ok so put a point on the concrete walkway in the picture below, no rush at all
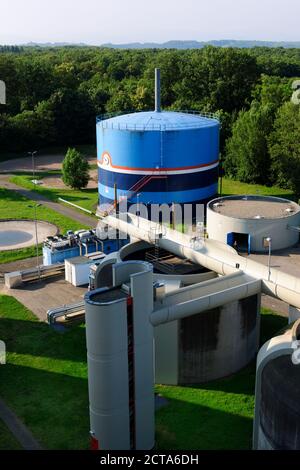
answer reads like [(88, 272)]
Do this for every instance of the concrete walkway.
[(34, 196), (43, 295), (17, 428)]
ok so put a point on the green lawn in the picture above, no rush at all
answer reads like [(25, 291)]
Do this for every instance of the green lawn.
[(86, 198), (45, 378), (236, 187), (45, 383), (16, 206)]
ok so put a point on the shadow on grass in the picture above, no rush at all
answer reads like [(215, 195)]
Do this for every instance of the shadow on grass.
[(271, 325), (54, 406), (242, 382), (38, 175), (193, 426), (11, 195), (37, 339)]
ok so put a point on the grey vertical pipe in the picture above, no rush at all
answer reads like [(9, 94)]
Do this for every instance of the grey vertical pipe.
[(107, 355), (157, 90)]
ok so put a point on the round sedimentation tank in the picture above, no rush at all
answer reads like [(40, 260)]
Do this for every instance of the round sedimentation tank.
[(157, 157), (247, 222), (16, 234)]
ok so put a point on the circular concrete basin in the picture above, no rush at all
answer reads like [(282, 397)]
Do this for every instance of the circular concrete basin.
[(15, 234)]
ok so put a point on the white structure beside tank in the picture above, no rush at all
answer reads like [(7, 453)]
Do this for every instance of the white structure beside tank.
[(276, 420), (247, 221), (77, 269)]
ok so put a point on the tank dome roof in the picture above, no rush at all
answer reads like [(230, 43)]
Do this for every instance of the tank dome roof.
[(152, 120)]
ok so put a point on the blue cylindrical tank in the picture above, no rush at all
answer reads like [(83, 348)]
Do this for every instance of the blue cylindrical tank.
[(158, 157)]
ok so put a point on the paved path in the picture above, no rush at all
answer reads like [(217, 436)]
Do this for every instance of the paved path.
[(18, 265), (287, 260), (42, 295), (17, 428), (64, 210)]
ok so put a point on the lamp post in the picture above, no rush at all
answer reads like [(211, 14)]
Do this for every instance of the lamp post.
[(35, 206), (269, 241), (33, 154)]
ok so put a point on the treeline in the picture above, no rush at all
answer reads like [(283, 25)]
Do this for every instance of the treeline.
[(53, 96), (14, 49)]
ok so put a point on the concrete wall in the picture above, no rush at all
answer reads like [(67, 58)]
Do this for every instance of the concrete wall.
[(207, 346), (219, 225), (279, 406), (166, 353)]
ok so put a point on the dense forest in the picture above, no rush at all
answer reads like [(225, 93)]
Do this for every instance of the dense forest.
[(54, 95)]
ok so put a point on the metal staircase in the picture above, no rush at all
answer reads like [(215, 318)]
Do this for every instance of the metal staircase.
[(107, 209), (140, 184)]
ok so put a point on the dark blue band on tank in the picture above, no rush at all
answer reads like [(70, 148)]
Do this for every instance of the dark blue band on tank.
[(181, 182)]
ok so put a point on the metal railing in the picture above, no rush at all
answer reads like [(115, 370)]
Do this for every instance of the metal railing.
[(68, 310), (106, 124), (32, 274)]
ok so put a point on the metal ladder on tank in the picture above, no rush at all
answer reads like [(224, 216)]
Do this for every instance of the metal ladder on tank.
[(156, 233)]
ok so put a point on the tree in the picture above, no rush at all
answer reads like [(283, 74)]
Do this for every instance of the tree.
[(75, 169), (247, 157), (273, 91), (73, 115), (284, 147)]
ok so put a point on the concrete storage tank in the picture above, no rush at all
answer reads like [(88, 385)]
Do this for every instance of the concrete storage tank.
[(248, 221), (277, 409), (157, 157)]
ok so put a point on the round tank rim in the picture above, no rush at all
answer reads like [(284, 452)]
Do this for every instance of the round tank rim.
[(94, 292), (240, 197)]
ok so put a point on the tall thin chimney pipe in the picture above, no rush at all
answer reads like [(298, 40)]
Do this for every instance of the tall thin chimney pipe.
[(157, 90)]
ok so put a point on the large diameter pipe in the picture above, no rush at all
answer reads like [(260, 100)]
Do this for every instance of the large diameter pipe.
[(157, 90), (276, 283), (202, 304), (215, 256)]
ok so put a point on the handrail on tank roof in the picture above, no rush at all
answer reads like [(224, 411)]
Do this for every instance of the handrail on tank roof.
[(104, 117)]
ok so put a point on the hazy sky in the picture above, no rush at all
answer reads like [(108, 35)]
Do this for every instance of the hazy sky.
[(100, 21)]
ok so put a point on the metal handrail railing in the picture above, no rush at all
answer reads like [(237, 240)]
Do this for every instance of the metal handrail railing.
[(153, 126)]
